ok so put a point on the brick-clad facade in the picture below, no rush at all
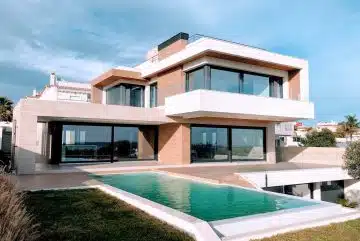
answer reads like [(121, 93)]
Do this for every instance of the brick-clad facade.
[(174, 144)]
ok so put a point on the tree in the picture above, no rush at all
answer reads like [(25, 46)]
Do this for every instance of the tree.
[(323, 138), (350, 126), (352, 159), (340, 132), (6, 109)]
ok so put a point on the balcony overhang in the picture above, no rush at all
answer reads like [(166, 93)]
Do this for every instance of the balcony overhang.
[(46, 111), (112, 75), (208, 103)]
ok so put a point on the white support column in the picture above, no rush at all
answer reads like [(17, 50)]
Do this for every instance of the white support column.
[(317, 191), (26, 150), (147, 96)]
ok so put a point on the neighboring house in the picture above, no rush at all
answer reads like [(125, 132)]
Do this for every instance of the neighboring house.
[(285, 134), (61, 90), (196, 100), (332, 126)]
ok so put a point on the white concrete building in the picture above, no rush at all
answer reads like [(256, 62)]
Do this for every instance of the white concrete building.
[(62, 90)]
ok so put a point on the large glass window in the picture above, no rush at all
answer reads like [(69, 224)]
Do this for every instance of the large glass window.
[(216, 143), (256, 85), (126, 94), (196, 79), (234, 81), (247, 144), (209, 144), (134, 142), (224, 80), (86, 143), (153, 95)]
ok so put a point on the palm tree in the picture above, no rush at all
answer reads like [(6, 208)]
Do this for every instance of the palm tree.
[(6, 108), (350, 125)]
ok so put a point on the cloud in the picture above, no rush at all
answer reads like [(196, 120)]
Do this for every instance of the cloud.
[(66, 63)]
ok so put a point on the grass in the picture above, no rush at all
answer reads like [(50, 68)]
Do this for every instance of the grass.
[(347, 231), (91, 215)]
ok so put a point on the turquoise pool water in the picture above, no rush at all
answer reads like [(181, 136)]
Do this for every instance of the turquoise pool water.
[(204, 201)]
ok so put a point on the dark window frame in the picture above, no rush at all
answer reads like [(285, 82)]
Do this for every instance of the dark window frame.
[(153, 103), (122, 98), (60, 125), (207, 79), (229, 139)]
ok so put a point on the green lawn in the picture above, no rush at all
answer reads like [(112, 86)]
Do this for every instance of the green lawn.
[(91, 215), (347, 231)]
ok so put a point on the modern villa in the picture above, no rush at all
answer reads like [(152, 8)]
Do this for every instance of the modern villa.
[(200, 108), (195, 100)]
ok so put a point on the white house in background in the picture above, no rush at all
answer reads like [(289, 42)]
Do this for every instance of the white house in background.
[(59, 89), (285, 134), (332, 125)]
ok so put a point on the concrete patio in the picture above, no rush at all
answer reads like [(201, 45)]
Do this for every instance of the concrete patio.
[(77, 175)]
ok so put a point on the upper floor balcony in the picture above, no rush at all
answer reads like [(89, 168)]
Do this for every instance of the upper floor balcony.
[(209, 103)]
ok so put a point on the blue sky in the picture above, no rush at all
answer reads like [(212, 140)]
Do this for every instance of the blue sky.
[(81, 39)]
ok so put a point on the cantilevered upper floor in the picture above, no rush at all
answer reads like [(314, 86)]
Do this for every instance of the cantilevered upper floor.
[(199, 76)]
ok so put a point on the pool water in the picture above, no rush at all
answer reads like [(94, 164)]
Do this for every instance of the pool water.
[(204, 201)]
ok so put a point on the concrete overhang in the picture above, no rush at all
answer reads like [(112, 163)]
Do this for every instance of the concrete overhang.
[(224, 50), (46, 111), (208, 103), (113, 75)]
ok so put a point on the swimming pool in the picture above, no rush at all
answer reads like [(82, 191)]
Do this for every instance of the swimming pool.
[(204, 201)]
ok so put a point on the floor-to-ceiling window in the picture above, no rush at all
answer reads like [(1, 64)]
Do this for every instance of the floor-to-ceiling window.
[(82, 143), (134, 142), (209, 144), (195, 79), (216, 143), (234, 81), (247, 144), (125, 94), (87, 143)]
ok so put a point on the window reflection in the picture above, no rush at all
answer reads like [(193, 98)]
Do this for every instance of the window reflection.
[(256, 85), (223, 80), (126, 94), (208, 143), (134, 142), (247, 144), (196, 79), (86, 143), (234, 81)]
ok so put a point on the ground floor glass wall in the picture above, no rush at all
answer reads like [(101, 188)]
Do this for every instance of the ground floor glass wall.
[(89, 143), (211, 143)]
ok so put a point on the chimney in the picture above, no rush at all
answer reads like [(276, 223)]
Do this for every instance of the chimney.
[(34, 92), (173, 45), (52, 79)]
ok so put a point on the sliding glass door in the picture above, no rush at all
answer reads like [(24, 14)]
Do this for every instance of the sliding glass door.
[(247, 144), (97, 143), (216, 143), (85, 143), (209, 144)]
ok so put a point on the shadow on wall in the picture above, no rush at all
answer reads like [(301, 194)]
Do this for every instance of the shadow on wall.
[(25, 160), (315, 155)]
